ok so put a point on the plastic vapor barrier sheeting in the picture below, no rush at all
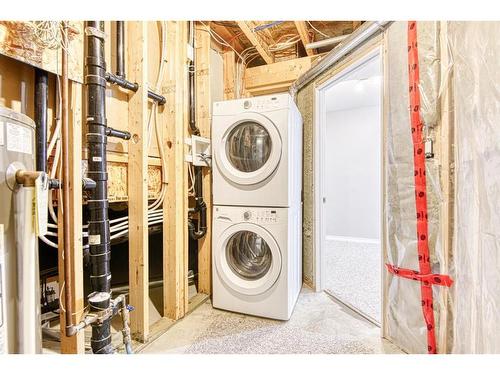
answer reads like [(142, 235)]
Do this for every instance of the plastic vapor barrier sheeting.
[(405, 324), (475, 49)]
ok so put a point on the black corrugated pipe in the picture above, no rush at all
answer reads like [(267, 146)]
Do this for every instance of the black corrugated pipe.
[(41, 104), (99, 235), (201, 206)]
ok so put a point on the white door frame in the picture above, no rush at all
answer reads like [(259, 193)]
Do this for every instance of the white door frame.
[(319, 164)]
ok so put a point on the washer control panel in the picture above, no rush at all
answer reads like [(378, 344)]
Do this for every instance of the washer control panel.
[(261, 216)]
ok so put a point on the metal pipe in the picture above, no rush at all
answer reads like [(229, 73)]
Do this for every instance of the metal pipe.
[(366, 31), (68, 283), (41, 104), (326, 42), (98, 224), (120, 47)]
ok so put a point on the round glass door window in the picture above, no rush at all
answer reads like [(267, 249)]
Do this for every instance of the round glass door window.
[(248, 255), (248, 146)]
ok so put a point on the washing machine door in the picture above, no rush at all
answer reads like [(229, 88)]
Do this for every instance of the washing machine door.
[(248, 259), (250, 149)]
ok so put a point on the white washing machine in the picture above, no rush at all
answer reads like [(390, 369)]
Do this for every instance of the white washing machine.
[(257, 258), (257, 148)]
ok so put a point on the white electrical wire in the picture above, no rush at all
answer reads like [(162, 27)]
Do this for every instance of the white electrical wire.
[(282, 45), (318, 31), (55, 141)]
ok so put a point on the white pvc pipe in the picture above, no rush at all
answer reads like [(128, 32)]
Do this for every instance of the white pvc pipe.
[(326, 42)]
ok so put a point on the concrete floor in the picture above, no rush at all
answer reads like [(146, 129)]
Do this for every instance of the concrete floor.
[(318, 325), (353, 274)]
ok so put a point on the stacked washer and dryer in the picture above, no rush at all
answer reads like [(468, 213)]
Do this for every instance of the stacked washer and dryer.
[(257, 213)]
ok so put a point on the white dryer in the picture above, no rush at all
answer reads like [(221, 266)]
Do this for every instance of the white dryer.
[(257, 258), (257, 148)]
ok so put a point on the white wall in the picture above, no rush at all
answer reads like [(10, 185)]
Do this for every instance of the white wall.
[(353, 172)]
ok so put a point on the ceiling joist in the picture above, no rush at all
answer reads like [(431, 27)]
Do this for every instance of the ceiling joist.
[(304, 36), (261, 46)]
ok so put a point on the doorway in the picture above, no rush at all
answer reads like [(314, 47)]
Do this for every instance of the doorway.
[(348, 171)]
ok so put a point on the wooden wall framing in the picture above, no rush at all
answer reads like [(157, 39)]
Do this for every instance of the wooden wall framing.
[(175, 296), (137, 33), (203, 120), (129, 111)]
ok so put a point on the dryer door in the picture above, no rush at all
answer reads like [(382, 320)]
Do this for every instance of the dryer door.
[(248, 259), (250, 149)]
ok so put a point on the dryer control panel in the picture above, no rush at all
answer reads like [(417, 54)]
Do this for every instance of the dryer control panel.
[(261, 216), (266, 103)]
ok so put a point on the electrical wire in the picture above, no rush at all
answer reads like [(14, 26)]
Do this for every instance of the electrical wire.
[(318, 31), (55, 142)]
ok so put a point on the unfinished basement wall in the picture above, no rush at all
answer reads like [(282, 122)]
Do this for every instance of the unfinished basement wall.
[(404, 322), (475, 51), (403, 319)]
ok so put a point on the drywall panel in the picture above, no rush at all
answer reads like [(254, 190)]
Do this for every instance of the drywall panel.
[(353, 172)]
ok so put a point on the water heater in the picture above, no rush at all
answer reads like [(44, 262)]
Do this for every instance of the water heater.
[(20, 330)]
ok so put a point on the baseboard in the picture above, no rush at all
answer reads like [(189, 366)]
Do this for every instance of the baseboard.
[(353, 239)]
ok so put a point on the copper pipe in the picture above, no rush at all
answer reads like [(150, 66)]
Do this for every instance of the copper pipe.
[(27, 178), (68, 286)]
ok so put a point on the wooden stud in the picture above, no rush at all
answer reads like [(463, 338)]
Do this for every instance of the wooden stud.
[(277, 77), (257, 42), (74, 344), (203, 120), (228, 36), (175, 207), (304, 36), (137, 181), (229, 75)]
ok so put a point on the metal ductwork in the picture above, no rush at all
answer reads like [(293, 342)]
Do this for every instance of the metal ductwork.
[(361, 35)]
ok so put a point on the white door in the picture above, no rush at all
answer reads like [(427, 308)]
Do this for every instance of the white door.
[(248, 259), (250, 149)]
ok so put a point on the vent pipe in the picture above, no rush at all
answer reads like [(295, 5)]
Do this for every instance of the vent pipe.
[(362, 34), (98, 225)]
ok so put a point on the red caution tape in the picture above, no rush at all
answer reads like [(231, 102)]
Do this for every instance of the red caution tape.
[(424, 275)]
